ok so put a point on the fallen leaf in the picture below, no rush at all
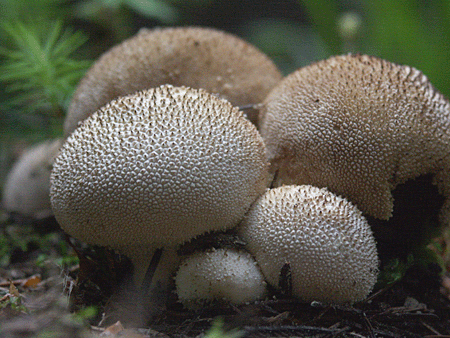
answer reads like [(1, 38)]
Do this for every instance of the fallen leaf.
[(13, 290), (112, 330), (31, 282)]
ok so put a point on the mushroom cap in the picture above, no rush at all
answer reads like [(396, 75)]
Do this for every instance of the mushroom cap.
[(358, 125), (325, 239), (196, 57), (158, 167), (222, 274), (27, 186)]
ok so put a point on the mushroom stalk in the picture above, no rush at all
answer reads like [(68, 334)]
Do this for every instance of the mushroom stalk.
[(148, 297), (142, 256), (156, 258)]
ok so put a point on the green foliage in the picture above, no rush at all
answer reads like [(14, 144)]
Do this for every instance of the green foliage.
[(284, 42), (116, 17), (24, 238), (154, 8), (86, 314), (393, 271), (425, 256), (217, 331), (13, 303), (38, 68), (421, 37), (323, 14), (44, 10), (416, 33), (5, 251), (157, 9)]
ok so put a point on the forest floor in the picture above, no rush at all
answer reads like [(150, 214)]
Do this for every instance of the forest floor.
[(51, 286)]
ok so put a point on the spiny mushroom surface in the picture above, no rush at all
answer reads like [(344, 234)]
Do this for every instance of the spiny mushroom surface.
[(157, 168), (358, 125), (27, 186), (323, 240), (213, 60), (222, 274)]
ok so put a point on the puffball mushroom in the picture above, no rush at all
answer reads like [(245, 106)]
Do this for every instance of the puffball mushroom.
[(323, 239), (27, 186), (218, 62), (156, 168), (360, 126), (223, 274)]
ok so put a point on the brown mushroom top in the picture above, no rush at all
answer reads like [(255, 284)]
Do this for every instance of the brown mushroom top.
[(196, 57), (358, 125), (158, 168)]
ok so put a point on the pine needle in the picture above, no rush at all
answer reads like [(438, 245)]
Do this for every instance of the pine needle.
[(38, 68)]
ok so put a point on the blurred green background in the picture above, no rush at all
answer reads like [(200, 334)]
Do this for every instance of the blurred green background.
[(47, 45)]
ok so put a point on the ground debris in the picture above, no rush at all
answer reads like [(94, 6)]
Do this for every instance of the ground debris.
[(34, 301)]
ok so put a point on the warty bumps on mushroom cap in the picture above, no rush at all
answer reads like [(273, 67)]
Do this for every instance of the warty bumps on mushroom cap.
[(358, 125), (206, 58), (323, 238), (157, 168), (220, 274)]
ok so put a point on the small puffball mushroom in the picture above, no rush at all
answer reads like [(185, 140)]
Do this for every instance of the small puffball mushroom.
[(27, 186), (323, 240), (222, 274), (360, 126), (155, 169), (218, 62)]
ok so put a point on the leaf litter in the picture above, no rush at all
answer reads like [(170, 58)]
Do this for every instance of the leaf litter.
[(91, 297)]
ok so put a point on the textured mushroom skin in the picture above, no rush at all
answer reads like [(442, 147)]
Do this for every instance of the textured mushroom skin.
[(173, 162), (27, 187), (359, 126), (196, 57), (325, 239), (221, 274)]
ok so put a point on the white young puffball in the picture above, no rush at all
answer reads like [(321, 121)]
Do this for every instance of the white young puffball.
[(27, 186), (322, 238), (222, 274)]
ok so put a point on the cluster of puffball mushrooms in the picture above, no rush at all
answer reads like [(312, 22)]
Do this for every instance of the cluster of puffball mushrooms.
[(156, 152)]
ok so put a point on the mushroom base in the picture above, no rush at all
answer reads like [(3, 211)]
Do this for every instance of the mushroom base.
[(415, 220)]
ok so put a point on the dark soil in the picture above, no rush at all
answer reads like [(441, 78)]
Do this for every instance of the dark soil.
[(416, 305)]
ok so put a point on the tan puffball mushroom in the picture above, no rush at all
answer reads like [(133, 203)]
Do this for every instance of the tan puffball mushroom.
[(155, 169), (223, 274), (27, 186), (218, 62), (358, 125), (322, 238)]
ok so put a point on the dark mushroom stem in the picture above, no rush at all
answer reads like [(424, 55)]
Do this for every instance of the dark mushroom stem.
[(151, 271), (285, 281)]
